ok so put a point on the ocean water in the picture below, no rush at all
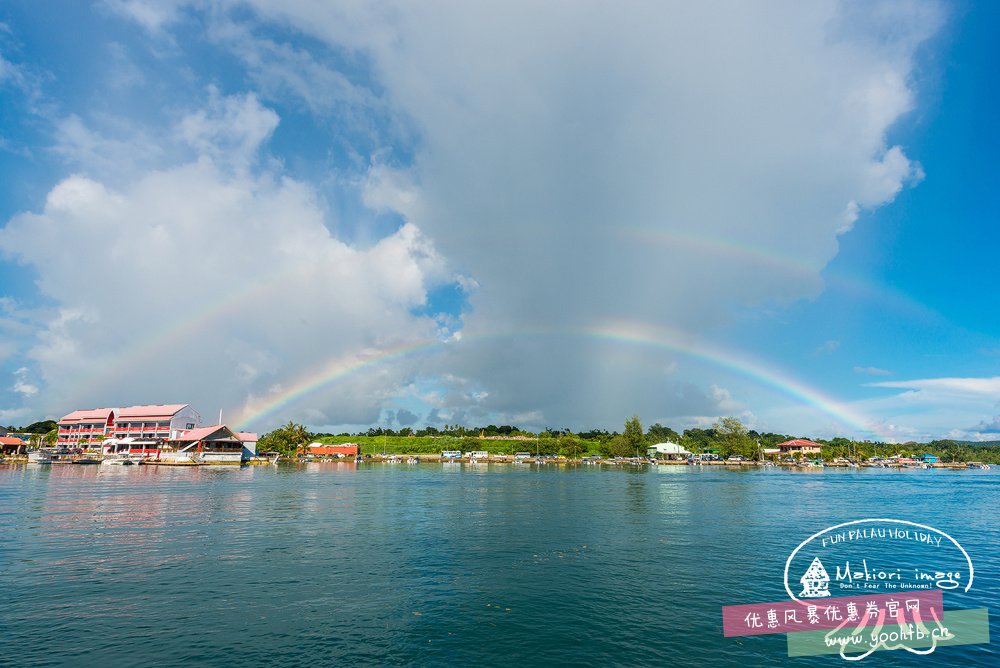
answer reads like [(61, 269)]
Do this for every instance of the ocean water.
[(440, 564)]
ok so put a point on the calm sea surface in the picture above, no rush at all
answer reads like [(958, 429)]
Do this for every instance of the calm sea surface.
[(440, 564)]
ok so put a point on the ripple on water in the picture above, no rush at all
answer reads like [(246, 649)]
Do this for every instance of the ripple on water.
[(380, 565)]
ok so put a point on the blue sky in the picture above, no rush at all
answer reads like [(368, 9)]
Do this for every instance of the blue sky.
[(503, 213)]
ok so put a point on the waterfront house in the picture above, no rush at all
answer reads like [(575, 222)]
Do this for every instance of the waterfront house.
[(11, 445), (928, 458), (667, 451), (323, 450), (800, 446), (217, 444)]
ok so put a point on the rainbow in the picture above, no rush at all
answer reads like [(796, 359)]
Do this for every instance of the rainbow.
[(158, 341), (619, 332), (766, 259), (337, 368)]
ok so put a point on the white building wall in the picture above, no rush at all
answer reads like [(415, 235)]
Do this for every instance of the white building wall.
[(249, 449), (186, 418)]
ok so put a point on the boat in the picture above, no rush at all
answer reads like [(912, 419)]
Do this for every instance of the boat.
[(118, 460), (413, 460), (978, 465), (40, 457), (86, 460)]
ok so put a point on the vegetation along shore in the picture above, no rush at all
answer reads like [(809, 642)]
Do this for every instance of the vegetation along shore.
[(728, 437)]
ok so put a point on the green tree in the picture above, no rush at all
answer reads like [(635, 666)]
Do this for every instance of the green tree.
[(732, 438), (657, 433), (287, 440), (43, 427), (570, 446), (698, 440), (631, 443)]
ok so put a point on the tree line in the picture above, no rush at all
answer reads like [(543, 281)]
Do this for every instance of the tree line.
[(728, 436)]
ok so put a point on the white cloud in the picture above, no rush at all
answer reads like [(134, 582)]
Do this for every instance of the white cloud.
[(872, 371), (929, 408), (116, 152), (22, 384), (544, 141), (153, 15), (207, 284), (230, 129), (988, 427), (931, 389), (544, 137), (828, 347)]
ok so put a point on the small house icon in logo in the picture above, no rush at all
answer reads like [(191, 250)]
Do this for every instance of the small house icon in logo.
[(815, 581)]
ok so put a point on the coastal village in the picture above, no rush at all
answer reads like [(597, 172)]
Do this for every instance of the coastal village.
[(173, 435), (163, 434)]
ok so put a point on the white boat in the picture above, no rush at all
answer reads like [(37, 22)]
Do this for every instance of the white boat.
[(40, 457), (121, 459)]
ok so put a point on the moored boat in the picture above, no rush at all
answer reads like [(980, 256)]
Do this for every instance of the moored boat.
[(118, 460), (40, 457)]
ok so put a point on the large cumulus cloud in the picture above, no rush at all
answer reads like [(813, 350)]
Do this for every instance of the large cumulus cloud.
[(580, 163), (212, 281), (662, 162)]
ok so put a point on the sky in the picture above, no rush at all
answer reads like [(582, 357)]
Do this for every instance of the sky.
[(556, 214)]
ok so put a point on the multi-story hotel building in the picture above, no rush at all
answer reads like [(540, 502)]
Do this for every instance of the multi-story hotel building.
[(81, 428), (138, 428), (163, 422), (171, 431)]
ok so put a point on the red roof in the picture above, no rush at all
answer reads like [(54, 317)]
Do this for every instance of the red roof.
[(10, 440), (157, 411), (802, 442), (247, 436), (89, 415)]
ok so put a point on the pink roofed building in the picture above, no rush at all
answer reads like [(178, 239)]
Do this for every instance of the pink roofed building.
[(800, 446), (155, 431), (134, 429), (215, 444), (84, 428), (145, 428)]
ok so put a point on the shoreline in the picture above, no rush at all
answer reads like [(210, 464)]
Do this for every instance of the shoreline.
[(508, 459)]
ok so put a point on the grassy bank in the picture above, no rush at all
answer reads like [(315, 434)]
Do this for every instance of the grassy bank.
[(416, 445)]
